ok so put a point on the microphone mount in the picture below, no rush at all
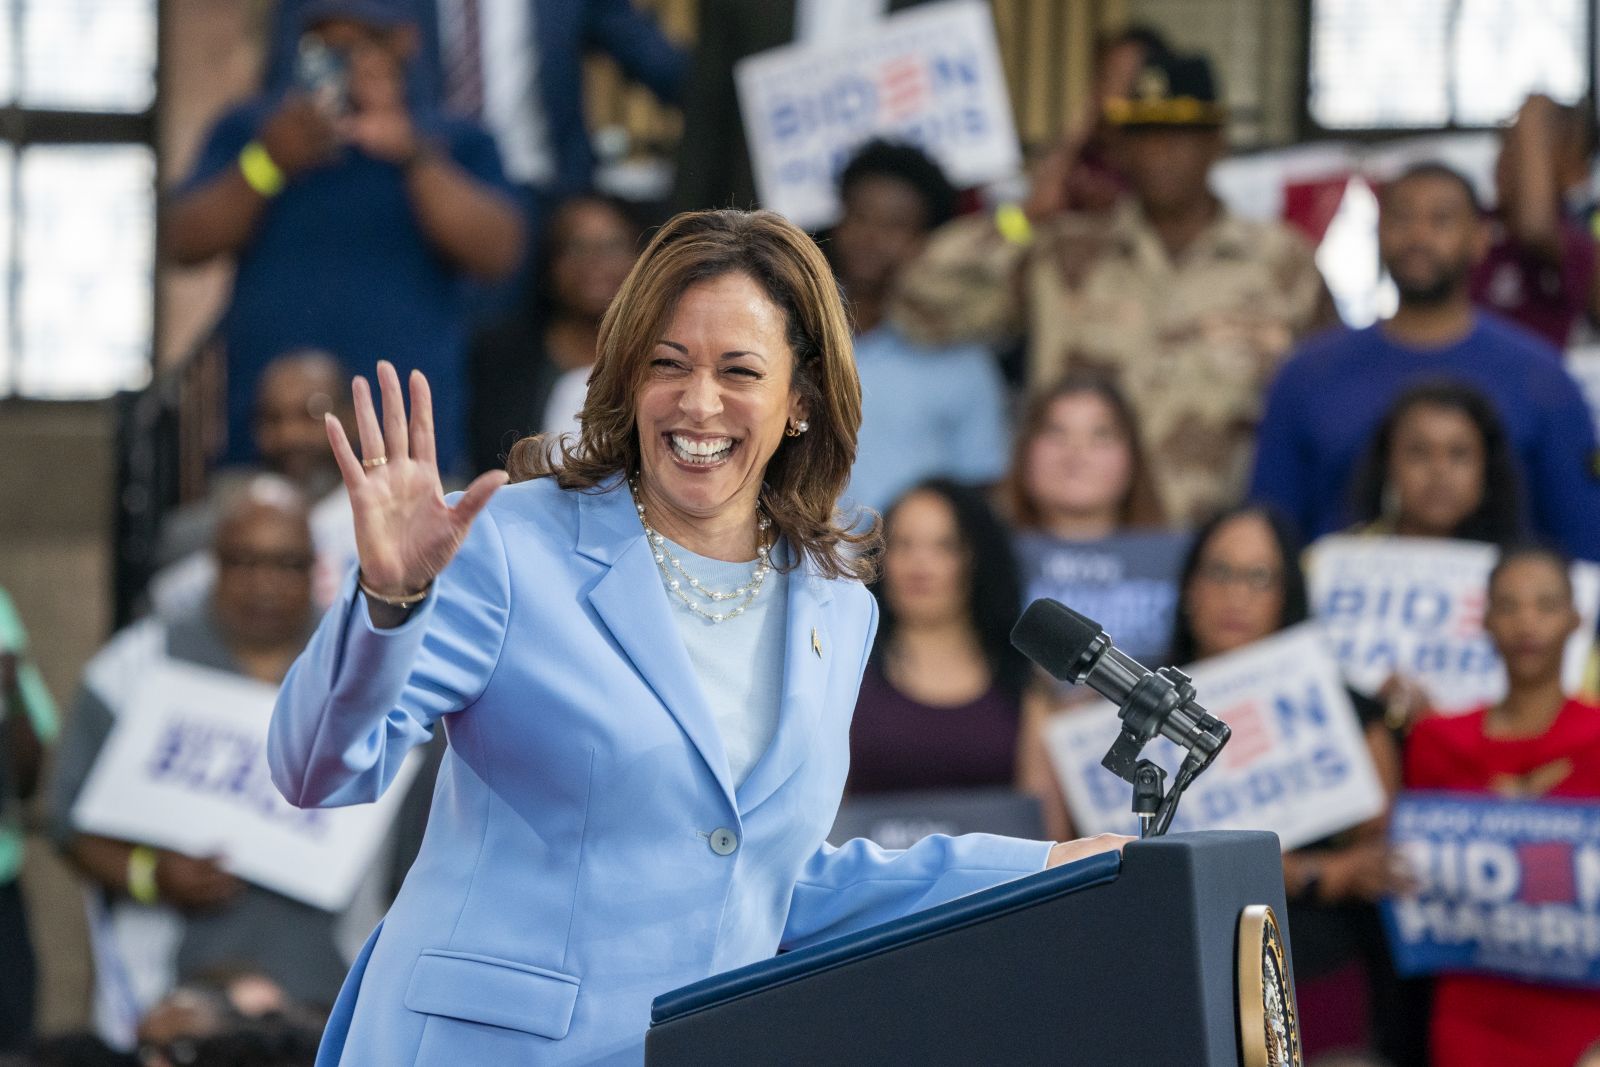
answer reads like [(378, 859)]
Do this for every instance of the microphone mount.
[(1162, 702), (1148, 703)]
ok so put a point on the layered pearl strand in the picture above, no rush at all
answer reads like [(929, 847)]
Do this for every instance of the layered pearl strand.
[(664, 558)]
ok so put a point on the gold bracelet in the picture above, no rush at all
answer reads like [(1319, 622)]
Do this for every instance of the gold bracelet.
[(142, 862), (406, 601), (260, 172)]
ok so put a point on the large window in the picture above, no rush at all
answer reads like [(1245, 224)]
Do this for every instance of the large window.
[(1426, 64), (77, 196)]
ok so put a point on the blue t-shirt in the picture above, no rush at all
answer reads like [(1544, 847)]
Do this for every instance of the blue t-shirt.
[(1326, 404), (1128, 583), (925, 412), (339, 262)]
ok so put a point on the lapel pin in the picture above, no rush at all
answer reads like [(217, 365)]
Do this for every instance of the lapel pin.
[(816, 643)]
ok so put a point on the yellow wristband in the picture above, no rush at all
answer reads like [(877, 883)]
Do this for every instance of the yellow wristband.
[(260, 172), (1013, 224), (142, 874)]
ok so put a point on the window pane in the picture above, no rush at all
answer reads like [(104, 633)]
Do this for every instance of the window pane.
[(1379, 63), (84, 304), (1426, 63), (1507, 49), (89, 55), (7, 340), (8, 57)]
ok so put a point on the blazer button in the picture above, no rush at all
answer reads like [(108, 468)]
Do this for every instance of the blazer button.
[(724, 842)]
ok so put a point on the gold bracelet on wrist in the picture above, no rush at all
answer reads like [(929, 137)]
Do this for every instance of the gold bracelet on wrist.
[(142, 861), (406, 601)]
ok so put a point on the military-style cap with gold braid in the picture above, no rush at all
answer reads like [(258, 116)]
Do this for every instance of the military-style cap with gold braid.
[(1170, 90)]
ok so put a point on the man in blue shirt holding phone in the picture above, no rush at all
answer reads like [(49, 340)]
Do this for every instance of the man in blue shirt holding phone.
[(356, 215)]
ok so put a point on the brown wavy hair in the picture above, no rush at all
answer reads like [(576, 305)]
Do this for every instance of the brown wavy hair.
[(806, 475), (1140, 507)]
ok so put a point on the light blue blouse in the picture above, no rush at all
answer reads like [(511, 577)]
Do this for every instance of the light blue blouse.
[(739, 660)]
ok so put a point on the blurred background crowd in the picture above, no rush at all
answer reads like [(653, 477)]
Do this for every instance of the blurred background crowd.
[(1273, 270)]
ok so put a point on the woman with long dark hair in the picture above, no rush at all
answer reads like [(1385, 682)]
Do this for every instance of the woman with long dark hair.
[(938, 703), (517, 367), (1241, 582), (1440, 465)]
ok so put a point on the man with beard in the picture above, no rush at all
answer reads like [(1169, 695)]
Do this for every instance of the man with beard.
[(1328, 399)]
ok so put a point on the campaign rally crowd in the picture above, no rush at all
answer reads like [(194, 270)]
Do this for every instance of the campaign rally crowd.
[(1113, 390)]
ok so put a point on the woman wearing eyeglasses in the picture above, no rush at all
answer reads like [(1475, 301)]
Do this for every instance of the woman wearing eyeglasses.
[(160, 916), (1241, 583)]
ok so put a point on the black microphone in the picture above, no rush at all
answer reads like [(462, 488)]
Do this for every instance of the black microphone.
[(1075, 649)]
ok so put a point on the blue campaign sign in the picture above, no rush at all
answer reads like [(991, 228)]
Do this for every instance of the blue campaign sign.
[(1508, 887), (1128, 583)]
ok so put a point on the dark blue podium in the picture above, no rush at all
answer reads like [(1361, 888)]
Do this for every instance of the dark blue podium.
[(1151, 958)]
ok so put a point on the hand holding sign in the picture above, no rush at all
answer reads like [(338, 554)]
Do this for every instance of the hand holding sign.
[(1366, 870), (405, 531), (194, 884)]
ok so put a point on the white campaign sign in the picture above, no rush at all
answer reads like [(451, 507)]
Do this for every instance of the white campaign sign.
[(1297, 763), (185, 768), (930, 76), (1414, 607)]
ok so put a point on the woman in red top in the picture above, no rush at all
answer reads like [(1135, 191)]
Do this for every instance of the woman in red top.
[(1537, 742)]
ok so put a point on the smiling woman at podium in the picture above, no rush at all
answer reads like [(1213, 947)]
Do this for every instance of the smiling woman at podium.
[(644, 654)]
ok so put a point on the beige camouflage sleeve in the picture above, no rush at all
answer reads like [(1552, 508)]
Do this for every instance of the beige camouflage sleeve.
[(1309, 298), (964, 287)]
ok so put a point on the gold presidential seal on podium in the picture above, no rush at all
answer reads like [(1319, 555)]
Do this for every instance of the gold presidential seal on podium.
[(1269, 1029)]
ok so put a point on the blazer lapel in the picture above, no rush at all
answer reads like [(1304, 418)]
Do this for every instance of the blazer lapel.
[(633, 605), (808, 656)]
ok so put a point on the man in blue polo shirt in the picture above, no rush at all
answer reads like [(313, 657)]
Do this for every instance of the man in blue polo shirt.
[(1328, 399), (926, 410), (356, 216)]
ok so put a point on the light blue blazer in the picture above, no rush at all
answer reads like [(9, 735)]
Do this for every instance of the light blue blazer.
[(587, 849)]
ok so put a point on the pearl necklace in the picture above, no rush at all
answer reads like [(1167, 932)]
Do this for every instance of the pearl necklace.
[(664, 557)]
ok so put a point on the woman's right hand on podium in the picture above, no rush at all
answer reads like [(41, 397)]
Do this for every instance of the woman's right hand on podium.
[(1083, 847), (405, 532)]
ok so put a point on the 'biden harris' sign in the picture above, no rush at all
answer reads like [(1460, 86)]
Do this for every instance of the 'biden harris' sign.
[(1297, 764), (185, 768), (1413, 606), (930, 76), (1508, 887)]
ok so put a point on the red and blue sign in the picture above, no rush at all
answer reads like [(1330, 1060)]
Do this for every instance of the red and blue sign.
[(1506, 887)]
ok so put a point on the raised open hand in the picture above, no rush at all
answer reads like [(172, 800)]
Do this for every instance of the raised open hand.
[(405, 532)]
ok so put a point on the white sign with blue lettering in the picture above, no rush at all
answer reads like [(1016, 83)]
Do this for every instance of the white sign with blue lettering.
[(930, 76), (1413, 606), (1297, 764), (185, 768)]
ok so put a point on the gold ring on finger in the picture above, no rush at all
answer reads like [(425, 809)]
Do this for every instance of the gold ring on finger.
[(375, 461)]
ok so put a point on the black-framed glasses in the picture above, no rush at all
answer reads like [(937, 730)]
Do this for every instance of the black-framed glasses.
[(283, 562), (1255, 579)]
